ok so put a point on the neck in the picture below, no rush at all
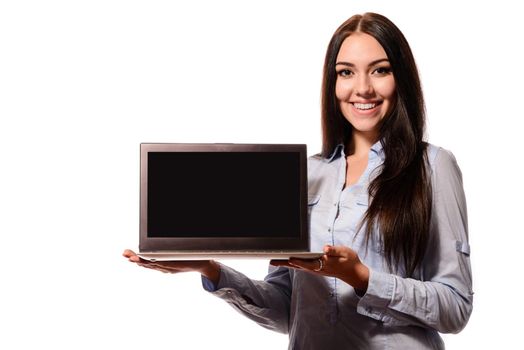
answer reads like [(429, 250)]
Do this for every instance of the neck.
[(361, 143)]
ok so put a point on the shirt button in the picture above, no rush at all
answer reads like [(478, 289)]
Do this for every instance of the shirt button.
[(329, 229)]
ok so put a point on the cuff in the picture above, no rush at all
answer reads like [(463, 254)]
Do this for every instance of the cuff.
[(381, 288), (208, 285), (228, 279)]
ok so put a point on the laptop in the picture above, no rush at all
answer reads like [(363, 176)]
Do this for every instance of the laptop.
[(220, 201)]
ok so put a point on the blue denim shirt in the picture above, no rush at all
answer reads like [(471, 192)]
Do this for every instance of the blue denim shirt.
[(396, 312)]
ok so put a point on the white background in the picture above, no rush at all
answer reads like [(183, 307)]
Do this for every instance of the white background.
[(82, 83)]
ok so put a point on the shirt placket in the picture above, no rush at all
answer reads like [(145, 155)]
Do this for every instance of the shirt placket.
[(331, 219)]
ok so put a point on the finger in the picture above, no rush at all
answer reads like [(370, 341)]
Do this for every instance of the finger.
[(162, 266), (333, 251), (131, 256), (144, 263), (280, 263), (179, 266), (156, 268), (128, 253), (308, 264)]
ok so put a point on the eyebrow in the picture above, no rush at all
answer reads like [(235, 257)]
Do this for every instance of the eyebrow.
[(349, 64)]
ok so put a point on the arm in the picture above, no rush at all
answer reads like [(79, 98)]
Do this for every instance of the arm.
[(443, 298), (265, 302)]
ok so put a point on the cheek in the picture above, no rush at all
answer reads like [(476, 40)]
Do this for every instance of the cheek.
[(386, 88), (342, 90)]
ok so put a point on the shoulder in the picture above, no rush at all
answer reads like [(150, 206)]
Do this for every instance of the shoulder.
[(322, 173), (316, 157), (441, 159), (444, 168), (316, 161)]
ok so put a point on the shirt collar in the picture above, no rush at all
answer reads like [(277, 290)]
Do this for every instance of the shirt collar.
[(376, 151), (337, 152)]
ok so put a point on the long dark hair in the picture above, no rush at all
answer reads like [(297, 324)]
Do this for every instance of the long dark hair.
[(401, 192)]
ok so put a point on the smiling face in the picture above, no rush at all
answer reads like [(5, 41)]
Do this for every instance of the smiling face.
[(365, 86)]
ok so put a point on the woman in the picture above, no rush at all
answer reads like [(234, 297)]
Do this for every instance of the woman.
[(387, 208)]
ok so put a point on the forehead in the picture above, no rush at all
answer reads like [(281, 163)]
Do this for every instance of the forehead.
[(360, 48)]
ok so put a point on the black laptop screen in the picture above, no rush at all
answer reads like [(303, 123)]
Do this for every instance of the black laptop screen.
[(223, 194)]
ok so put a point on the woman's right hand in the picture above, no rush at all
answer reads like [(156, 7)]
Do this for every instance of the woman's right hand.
[(208, 268)]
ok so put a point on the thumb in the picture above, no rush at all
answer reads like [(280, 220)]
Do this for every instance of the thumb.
[(331, 250)]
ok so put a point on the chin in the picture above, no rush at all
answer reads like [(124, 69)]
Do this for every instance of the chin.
[(365, 127)]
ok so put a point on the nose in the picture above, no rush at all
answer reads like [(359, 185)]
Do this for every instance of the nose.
[(364, 87)]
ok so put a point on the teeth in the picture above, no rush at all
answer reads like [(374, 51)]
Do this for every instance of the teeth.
[(364, 105)]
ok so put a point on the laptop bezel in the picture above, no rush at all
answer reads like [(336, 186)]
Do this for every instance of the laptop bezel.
[(185, 244)]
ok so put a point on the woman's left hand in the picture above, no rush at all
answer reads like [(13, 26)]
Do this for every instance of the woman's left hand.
[(338, 261)]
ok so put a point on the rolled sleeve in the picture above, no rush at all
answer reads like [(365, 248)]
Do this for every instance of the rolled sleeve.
[(377, 298)]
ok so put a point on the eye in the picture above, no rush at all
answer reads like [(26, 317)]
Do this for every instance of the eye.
[(344, 73), (382, 70)]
